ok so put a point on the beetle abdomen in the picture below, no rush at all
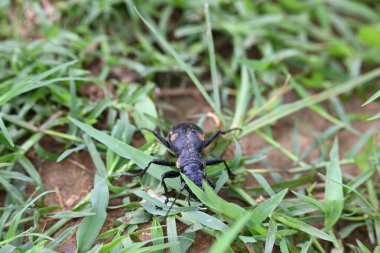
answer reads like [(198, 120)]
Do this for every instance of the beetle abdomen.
[(195, 173)]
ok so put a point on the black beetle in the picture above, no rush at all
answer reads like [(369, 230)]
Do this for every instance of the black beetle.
[(187, 141)]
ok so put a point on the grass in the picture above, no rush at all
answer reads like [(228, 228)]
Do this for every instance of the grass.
[(83, 74)]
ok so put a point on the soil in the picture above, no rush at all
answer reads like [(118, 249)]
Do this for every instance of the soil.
[(73, 178)]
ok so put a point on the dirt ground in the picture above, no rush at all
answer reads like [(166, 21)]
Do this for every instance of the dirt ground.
[(73, 178)]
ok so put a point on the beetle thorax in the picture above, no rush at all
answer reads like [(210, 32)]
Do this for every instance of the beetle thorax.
[(186, 138)]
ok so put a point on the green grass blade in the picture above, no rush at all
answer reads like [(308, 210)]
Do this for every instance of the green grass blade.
[(306, 246), (334, 199), (297, 224), (12, 190), (214, 202), (31, 170), (16, 220), (99, 164), (216, 82), (162, 41), (59, 239), (157, 234), (271, 236), (372, 98), (255, 217), (340, 111), (12, 238), (242, 99), (5, 132), (172, 234), (155, 248), (68, 152), (362, 247), (376, 116), (283, 246), (71, 214), (206, 220), (310, 201), (91, 225), (224, 242)]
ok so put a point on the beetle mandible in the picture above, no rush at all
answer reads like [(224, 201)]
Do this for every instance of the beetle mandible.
[(186, 141)]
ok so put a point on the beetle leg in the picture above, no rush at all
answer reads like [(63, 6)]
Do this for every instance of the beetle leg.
[(176, 197), (159, 137), (168, 174), (210, 182), (216, 134), (213, 161), (163, 162)]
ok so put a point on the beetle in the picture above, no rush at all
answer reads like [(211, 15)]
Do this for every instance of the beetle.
[(186, 141)]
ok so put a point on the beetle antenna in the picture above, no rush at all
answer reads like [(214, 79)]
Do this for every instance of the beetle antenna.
[(147, 129), (231, 130), (176, 197), (126, 174)]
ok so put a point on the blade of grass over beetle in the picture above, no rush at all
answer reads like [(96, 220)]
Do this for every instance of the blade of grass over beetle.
[(334, 199), (214, 202), (290, 108), (179, 59)]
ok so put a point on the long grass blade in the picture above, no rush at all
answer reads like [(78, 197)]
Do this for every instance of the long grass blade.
[(334, 191), (179, 59)]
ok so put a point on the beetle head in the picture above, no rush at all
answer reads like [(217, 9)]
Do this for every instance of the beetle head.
[(186, 135)]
